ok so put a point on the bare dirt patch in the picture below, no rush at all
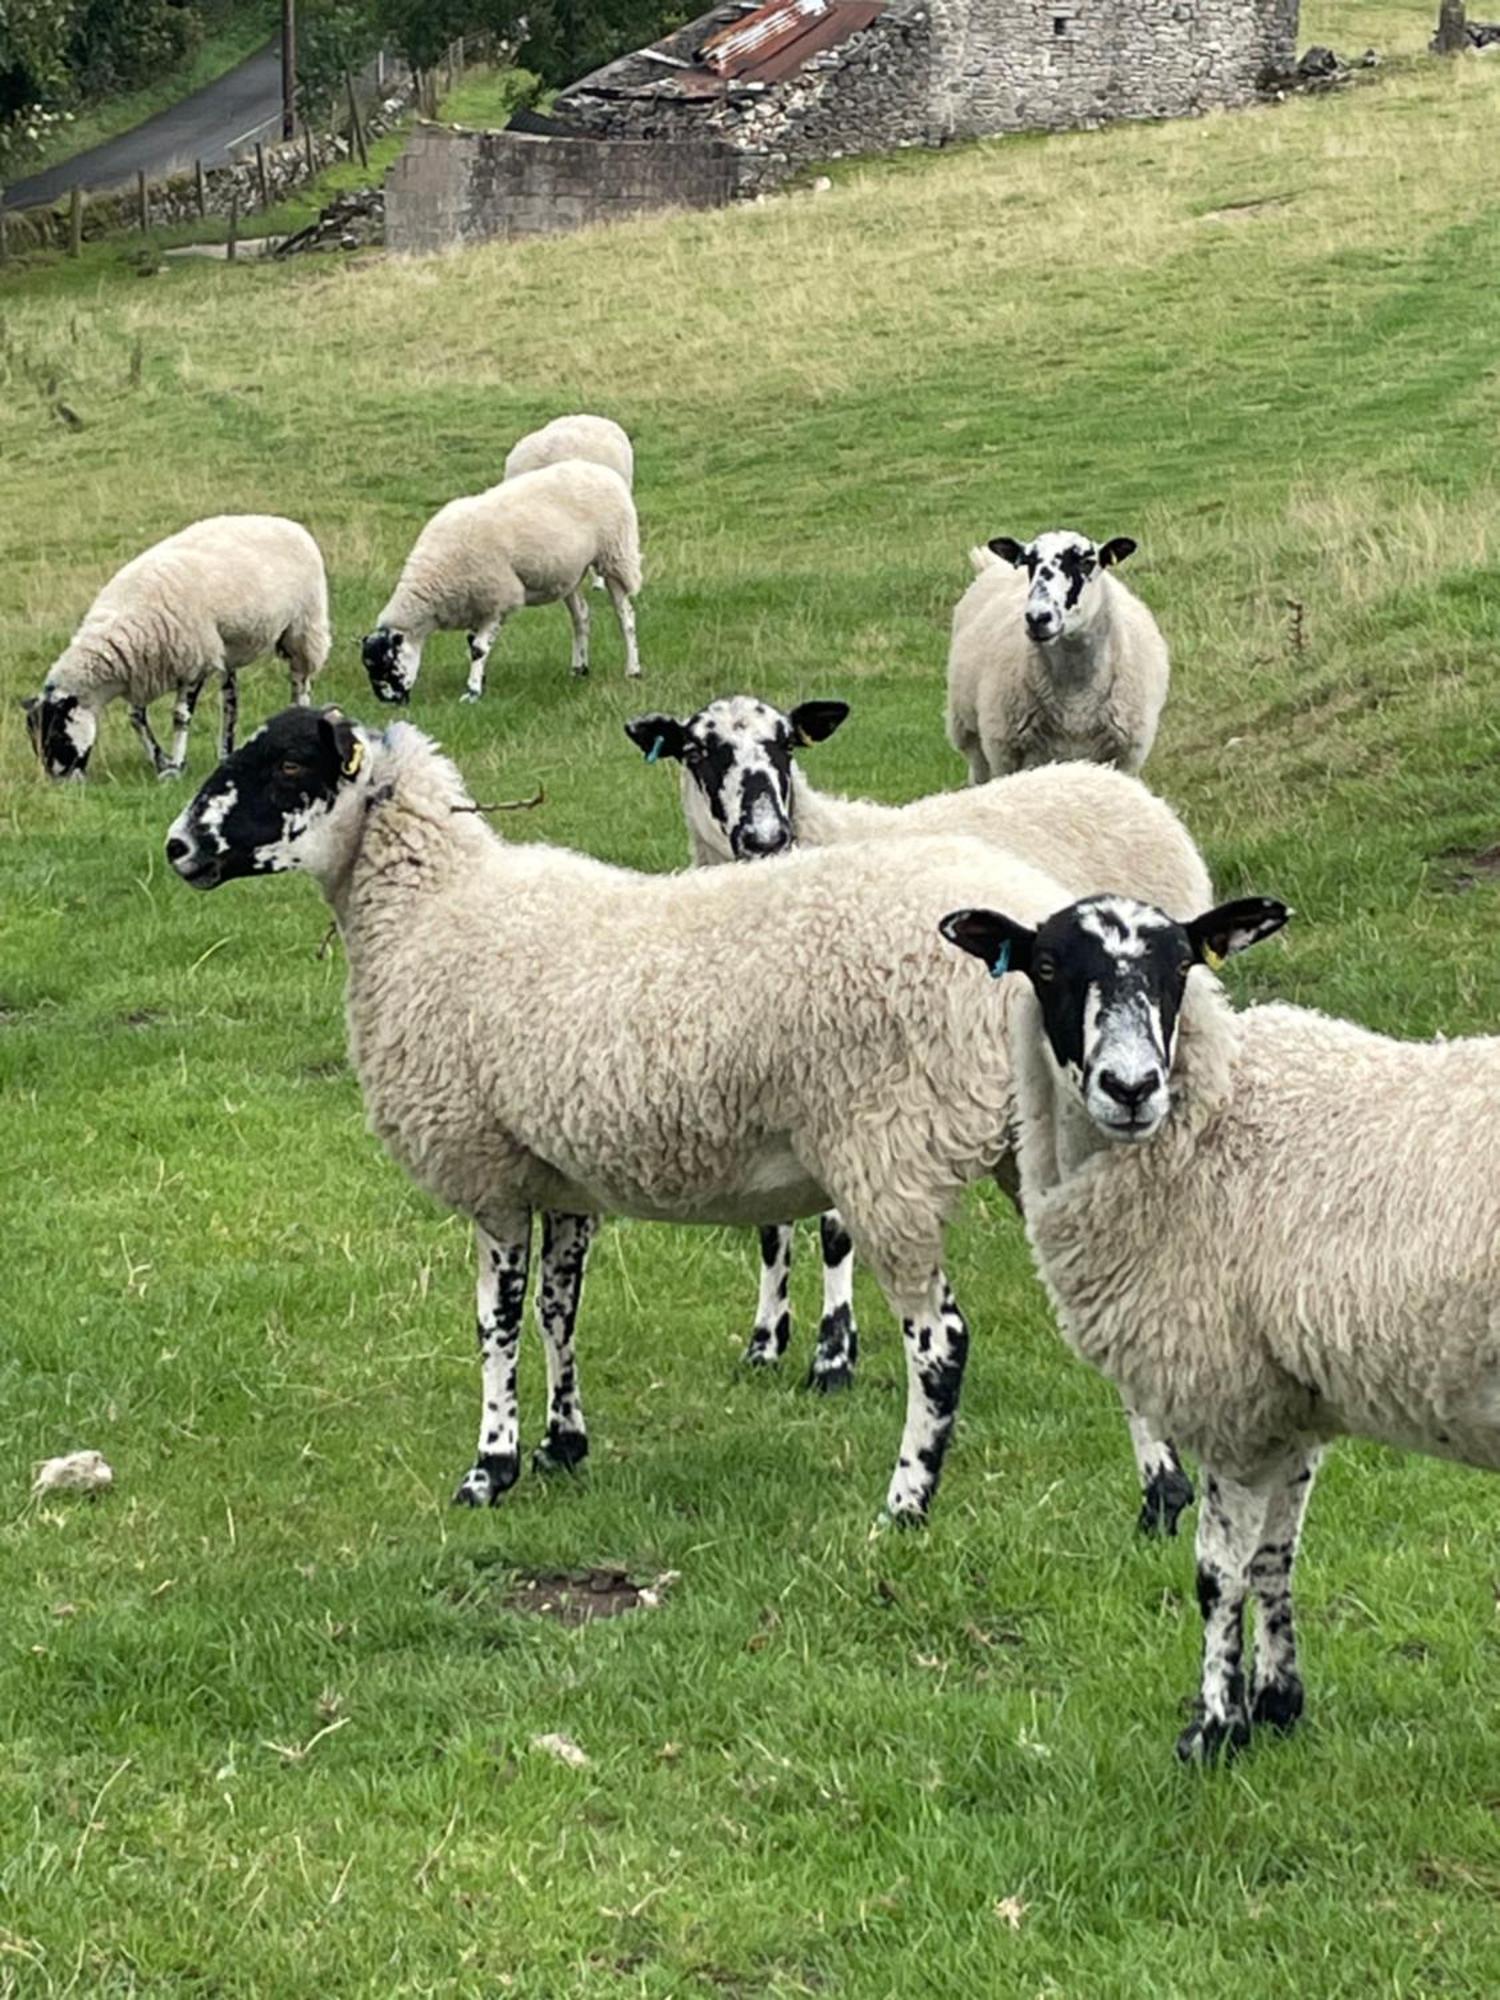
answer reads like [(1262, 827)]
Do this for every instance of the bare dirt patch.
[(577, 1597), (1463, 868)]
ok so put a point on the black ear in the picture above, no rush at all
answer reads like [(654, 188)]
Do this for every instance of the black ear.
[(1008, 550), (1219, 934), (1115, 551), (31, 703), (1003, 944), (657, 736), (341, 740), (815, 721)]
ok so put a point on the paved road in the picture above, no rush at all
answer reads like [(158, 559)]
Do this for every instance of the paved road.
[(241, 106)]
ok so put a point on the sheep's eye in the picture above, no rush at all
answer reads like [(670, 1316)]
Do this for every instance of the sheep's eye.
[(1044, 968)]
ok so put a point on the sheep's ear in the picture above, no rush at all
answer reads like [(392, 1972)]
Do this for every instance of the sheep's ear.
[(1008, 550), (815, 721), (1219, 934), (31, 703), (1115, 551), (657, 736), (341, 740), (1003, 944)]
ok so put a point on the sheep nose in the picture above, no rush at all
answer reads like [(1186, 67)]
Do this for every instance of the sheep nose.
[(754, 844), (1039, 624), (179, 850), (1131, 1095)]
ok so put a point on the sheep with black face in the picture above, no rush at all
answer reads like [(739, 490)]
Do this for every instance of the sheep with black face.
[(745, 796), (1052, 658), (1268, 1229)]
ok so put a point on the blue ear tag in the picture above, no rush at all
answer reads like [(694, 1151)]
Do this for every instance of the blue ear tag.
[(656, 749), (1002, 961)]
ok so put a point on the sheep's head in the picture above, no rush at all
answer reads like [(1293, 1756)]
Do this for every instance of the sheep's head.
[(736, 758), (392, 660), (62, 731), (282, 801), (1064, 569), (1109, 975)]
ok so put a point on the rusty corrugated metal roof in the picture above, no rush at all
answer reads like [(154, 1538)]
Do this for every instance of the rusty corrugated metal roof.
[(779, 37)]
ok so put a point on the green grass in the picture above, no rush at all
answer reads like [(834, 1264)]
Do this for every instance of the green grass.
[(825, 1762), (485, 99), (226, 44)]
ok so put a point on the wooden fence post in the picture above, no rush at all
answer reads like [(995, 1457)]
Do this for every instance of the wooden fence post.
[(202, 191), (231, 250), (260, 174), (356, 129), (142, 202), (75, 222), (312, 158)]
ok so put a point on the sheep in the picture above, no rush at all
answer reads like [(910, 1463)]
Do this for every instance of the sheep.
[(598, 439), (744, 795), (1268, 1228), (1063, 662), (536, 1030), (529, 540), (207, 600)]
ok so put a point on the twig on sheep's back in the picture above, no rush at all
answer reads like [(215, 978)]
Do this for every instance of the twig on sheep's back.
[(77, 1471), (509, 805)]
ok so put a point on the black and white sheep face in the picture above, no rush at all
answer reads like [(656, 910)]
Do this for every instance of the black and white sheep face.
[(1064, 570), (278, 803), (62, 731), (736, 757), (393, 661), (1109, 975)]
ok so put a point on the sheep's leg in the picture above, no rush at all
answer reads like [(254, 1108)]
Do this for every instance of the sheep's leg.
[(1229, 1533), (503, 1254), (565, 1249), (838, 1337), (937, 1345), (300, 670), (1276, 1696), (979, 770), (1165, 1487), (140, 722), (480, 642), (229, 709), (578, 611), (773, 1318), (620, 598), (175, 762)]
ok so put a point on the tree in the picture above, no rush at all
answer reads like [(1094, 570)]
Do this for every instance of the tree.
[(1452, 28), (33, 67)]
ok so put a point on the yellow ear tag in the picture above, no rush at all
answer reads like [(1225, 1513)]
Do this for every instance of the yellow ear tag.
[(355, 758), (1214, 960)]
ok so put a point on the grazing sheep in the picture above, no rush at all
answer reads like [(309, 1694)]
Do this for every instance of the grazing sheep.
[(535, 1030), (1062, 662), (208, 600), (744, 795), (1268, 1228), (529, 540), (598, 439)]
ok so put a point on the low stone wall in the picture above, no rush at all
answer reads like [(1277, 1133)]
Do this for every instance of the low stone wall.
[(453, 187)]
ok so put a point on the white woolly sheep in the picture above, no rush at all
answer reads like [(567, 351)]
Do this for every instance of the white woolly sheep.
[(600, 440), (744, 795), (529, 540), (1268, 1229), (536, 1030), (208, 600), (1051, 658)]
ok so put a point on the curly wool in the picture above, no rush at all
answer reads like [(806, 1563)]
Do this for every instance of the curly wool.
[(600, 440), (528, 540), (212, 598), (1013, 704), (1310, 1246)]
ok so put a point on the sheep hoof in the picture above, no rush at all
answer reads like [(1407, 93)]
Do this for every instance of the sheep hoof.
[(487, 1481), (900, 1518), (560, 1451), (1212, 1739), (1164, 1497), (762, 1351), (830, 1378), (165, 773), (471, 694), (580, 673), (1278, 1704)]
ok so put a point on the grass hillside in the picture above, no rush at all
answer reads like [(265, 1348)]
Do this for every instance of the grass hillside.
[(266, 1714)]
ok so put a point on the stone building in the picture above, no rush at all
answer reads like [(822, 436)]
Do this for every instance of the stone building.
[(745, 95)]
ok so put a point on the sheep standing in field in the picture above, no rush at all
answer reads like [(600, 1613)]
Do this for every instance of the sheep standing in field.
[(600, 440), (744, 795), (535, 1030), (1268, 1228), (1052, 658), (529, 540), (208, 600)]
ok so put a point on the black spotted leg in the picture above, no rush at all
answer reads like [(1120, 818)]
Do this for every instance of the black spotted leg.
[(565, 1246), (503, 1253), (937, 1346), (838, 1337), (773, 1318)]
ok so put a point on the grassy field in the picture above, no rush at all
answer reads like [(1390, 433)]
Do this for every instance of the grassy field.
[(267, 1715)]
